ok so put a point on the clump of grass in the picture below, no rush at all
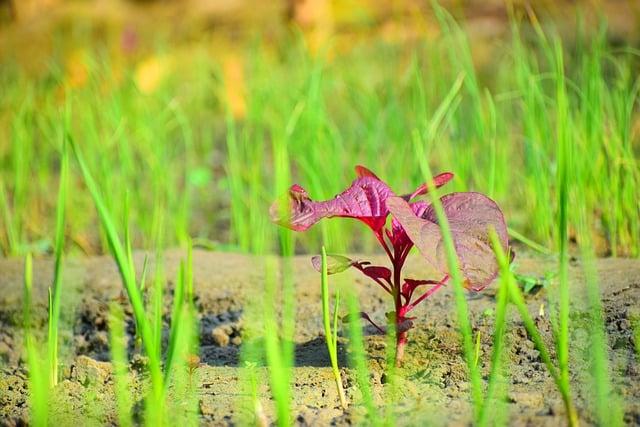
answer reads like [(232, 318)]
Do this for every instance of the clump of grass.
[(122, 255), (183, 341)]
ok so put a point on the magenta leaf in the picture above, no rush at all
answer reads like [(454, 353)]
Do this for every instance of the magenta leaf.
[(470, 216), (377, 272), (438, 181), (410, 285), (364, 200)]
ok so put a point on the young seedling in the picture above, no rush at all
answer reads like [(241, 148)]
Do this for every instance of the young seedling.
[(331, 337), (55, 292), (38, 381), (370, 200)]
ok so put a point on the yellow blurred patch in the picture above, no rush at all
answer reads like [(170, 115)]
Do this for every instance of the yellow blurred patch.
[(315, 19), (76, 72), (150, 73), (234, 85)]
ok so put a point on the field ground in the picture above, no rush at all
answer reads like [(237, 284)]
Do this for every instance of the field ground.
[(432, 387)]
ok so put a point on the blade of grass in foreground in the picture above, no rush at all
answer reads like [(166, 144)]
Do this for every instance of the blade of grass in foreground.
[(564, 165), (120, 366), (279, 369), (331, 338), (38, 380), (452, 258), (604, 400), (183, 372), (55, 292), (497, 357), (516, 297), (358, 360)]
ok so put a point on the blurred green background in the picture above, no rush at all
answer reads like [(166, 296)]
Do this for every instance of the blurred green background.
[(186, 108)]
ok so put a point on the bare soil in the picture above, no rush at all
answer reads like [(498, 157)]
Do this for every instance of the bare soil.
[(431, 386)]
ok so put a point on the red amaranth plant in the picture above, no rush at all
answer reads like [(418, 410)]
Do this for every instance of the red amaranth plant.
[(370, 200)]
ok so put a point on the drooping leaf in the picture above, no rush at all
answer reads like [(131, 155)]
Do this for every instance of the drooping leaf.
[(363, 200), (377, 272), (470, 216)]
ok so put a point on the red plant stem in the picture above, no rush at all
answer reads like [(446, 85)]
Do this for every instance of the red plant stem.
[(401, 337)]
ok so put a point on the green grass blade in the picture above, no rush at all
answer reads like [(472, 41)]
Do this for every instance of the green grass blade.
[(38, 379), (118, 350), (450, 251), (56, 289), (358, 360), (329, 336)]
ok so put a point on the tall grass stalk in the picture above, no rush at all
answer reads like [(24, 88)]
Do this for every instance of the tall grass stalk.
[(464, 323), (498, 370), (564, 160), (275, 351), (38, 378), (358, 360), (331, 338), (516, 297), (183, 371), (55, 292), (606, 403), (118, 348)]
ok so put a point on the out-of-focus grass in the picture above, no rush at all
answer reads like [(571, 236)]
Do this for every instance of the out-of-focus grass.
[(156, 128), (36, 360)]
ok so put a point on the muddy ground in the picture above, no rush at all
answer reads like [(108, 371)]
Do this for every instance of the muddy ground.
[(432, 386)]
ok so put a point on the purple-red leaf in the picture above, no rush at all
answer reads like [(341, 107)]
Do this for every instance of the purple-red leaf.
[(470, 215), (438, 181), (410, 285), (363, 200), (335, 263), (377, 272)]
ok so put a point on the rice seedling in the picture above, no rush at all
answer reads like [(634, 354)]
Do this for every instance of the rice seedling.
[(36, 361), (331, 337), (120, 364), (358, 360), (516, 297), (498, 370), (55, 292)]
